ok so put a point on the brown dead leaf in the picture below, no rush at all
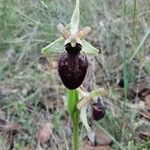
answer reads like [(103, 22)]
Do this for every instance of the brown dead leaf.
[(44, 133), (87, 146)]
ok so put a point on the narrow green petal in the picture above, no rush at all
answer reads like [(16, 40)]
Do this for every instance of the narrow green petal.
[(74, 24), (55, 47), (88, 48), (83, 117)]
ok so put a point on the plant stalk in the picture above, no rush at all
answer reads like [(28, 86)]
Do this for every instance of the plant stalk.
[(74, 113), (75, 122)]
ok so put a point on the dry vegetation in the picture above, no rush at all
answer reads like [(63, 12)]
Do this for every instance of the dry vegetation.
[(32, 97)]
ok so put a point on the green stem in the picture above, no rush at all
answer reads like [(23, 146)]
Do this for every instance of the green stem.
[(75, 122), (74, 113)]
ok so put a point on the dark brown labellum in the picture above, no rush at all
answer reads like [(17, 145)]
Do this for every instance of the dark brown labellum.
[(72, 68), (98, 109)]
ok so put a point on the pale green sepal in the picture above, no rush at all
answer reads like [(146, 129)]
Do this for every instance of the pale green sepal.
[(74, 24), (89, 49), (83, 117), (55, 47)]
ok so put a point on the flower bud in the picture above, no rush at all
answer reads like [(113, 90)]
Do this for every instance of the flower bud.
[(98, 109)]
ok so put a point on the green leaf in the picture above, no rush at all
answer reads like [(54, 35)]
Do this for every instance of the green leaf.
[(55, 47), (75, 19), (88, 48)]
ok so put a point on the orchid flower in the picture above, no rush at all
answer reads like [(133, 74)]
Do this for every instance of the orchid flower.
[(86, 100)]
